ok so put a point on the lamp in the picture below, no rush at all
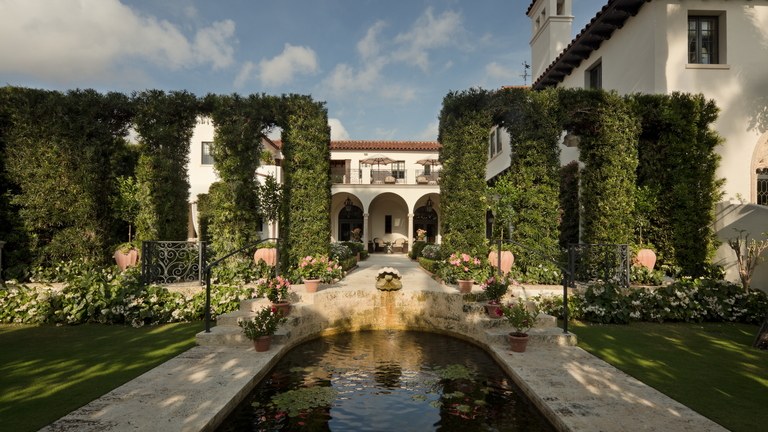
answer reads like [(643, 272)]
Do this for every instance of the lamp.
[(348, 205), (429, 203)]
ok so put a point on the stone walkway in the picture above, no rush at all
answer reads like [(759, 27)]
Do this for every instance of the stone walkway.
[(195, 390)]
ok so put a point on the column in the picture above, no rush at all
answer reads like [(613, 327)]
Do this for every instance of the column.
[(411, 236)]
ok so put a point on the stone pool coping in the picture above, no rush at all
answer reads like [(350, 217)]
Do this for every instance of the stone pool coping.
[(197, 389)]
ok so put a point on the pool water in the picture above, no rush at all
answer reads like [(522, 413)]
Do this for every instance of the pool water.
[(386, 381)]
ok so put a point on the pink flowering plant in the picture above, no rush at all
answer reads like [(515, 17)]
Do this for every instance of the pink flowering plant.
[(275, 289), (462, 266), (495, 288), (319, 267)]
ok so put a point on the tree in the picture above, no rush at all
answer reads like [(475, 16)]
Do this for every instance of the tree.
[(270, 201)]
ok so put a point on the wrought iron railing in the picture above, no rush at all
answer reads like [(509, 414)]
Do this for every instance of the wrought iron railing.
[(593, 262), (172, 261), (586, 263), (209, 267)]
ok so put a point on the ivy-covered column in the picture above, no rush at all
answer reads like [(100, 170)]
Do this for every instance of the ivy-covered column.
[(464, 126), (306, 227), (165, 122), (608, 131)]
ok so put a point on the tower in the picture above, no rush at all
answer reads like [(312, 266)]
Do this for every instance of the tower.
[(551, 22)]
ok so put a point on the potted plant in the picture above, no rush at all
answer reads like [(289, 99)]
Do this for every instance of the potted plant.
[(522, 316), (388, 279), (313, 270), (465, 270), (276, 290), (261, 327), (126, 206), (421, 234), (495, 288)]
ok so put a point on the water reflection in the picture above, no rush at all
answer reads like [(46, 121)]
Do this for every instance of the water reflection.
[(374, 381)]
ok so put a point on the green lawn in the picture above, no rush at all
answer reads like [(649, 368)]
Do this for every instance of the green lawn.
[(48, 371), (709, 367)]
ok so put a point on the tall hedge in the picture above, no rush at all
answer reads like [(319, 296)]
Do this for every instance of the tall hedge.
[(608, 131), (569, 204), (63, 155), (528, 191), (465, 121), (305, 222), (678, 167), (164, 122)]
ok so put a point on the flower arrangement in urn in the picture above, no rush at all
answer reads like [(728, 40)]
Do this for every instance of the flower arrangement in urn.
[(356, 234), (388, 279), (320, 267), (421, 234), (261, 327), (522, 316)]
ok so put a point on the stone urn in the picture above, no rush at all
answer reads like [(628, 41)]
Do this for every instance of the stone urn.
[(127, 258), (268, 255), (646, 258), (507, 260)]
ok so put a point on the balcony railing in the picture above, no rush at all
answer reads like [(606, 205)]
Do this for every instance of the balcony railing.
[(385, 176)]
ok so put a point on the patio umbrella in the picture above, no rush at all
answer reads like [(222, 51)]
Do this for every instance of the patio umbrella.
[(378, 160), (426, 162)]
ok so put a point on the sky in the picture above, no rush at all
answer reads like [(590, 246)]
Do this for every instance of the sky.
[(382, 67)]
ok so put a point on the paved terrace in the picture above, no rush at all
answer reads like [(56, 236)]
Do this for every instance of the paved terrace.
[(197, 389)]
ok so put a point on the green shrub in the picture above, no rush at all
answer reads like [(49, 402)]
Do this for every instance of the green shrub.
[(641, 275), (340, 251), (416, 249), (433, 252), (429, 265)]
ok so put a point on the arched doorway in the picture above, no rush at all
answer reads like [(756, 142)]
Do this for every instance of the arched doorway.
[(759, 174), (425, 217), (350, 217)]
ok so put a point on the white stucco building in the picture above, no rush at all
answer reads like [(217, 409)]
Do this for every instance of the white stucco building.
[(387, 189), (715, 47)]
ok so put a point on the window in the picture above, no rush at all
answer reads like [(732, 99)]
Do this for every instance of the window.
[(207, 158), (594, 76), (762, 186), (398, 170), (703, 39), (492, 144), (498, 140), (388, 224)]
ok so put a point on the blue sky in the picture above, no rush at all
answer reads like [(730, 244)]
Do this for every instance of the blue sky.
[(382, 67)]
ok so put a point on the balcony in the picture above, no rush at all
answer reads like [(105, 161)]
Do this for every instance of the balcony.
[(386, 176)]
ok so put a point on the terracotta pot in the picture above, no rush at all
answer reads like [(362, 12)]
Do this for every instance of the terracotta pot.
[(493, 310), (517, 343), (262, 343), (126, 259), (283, 307), (507, 260), (646, 258), (268, 255), (311, 285), (465, 286)]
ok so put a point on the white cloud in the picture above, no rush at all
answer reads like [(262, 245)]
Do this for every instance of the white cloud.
[(281, 69), (345, 79), (246, 73), (338, 132), (368, 47), (499, 72), (427, 33), (66, 41), (398, 93)]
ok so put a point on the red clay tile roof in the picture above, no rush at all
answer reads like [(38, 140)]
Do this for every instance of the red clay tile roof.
[(533, 2), (380, 145), (386, 145)]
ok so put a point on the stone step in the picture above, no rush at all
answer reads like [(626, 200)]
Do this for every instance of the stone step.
[(537, 336), (227, 335), (254, 305)]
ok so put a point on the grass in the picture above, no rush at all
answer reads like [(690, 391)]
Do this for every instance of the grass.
[(48, 371), (710, 367)]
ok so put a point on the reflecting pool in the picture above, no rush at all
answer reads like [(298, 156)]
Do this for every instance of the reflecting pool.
[(386, 381)]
